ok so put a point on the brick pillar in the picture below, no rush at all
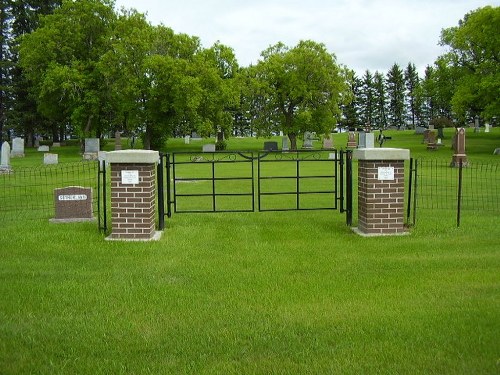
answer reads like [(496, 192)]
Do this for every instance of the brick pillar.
[(133, 193), (381, 183)]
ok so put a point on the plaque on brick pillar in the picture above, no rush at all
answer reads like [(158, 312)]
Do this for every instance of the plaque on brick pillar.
[(381, 195), (133, 195)]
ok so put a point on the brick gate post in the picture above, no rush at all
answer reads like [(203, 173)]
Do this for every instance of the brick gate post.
[(133, 193), (381, 183)]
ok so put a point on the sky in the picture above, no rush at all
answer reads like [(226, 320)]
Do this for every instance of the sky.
[(363, 34)]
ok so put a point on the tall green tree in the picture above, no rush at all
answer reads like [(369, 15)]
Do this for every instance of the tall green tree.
[(396, 95), (475, 57), (413, 102), (5, 62), (302, 88), (23, 114), (367, 98), (352, 109), (380, 101), (61, 59)]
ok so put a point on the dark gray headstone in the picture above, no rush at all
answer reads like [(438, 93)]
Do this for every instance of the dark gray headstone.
[(271, 146), (73, 203)]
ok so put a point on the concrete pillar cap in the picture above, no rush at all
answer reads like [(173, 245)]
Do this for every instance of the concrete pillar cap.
[(133, 157), (381, 154)]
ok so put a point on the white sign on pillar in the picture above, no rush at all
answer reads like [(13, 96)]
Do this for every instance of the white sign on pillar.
[(130, 177), (386, 173)]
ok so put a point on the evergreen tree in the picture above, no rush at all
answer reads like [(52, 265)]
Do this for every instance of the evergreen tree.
[(367, 99), (379, 101), (351, 110), (5, 62), (396, 94), (413, 103)]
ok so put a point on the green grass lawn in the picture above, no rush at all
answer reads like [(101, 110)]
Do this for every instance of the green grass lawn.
[(255, 293)]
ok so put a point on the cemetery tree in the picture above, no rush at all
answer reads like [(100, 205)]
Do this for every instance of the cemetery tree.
[(217, 72), (60, 60), (301, 87), (5, 65), (414, 104), (396, 94), (475, 57), (24, 116), (352, 110), (367, 93), (379, 101)]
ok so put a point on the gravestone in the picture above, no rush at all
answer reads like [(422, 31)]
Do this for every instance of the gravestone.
[(49, 158), (361, 140), (327, 143), (431, 141), (17, 148), (426, 136), (308, 140), (459, 157), (420, 129), (43, 148), (476, 125), (56, 144), (187, 139), (118, 140), (37, 141), (209, 147), (497, 151), (284, 144), (270, 146), (351, 140), (92, 148), (73, 203), (5, 158), (486, 128), (370, 140)]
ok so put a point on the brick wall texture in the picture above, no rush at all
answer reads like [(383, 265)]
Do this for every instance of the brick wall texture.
[(133, 206), (380, 203)]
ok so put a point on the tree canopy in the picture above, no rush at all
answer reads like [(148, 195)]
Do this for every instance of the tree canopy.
[(300, 89)]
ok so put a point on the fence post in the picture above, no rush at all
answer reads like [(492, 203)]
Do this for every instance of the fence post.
[(349, 188), (169, 193), (410, 183), (341, 160), (161, 199), (459, 197)]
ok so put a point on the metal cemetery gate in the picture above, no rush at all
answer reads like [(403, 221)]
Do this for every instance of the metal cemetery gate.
[(226, 182)]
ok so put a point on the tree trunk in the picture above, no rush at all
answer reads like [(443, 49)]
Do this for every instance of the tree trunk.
[(293, 141)]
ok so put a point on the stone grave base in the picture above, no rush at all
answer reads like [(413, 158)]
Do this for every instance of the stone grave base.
[(73, 220)]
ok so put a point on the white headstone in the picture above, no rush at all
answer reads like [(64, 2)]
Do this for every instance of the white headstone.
[(370, 140), (284, 144), (17, 147), (92, 145), (486, 128), (308, 140), (56, 144), (361, 140), (187, 139), (50, 158), (43, 148), (209, 147), (5, 156)]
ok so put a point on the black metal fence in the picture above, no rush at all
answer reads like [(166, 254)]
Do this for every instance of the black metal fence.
[(28, 193), (435, 185)]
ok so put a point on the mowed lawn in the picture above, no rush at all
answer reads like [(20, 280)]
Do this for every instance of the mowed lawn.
[(253, 293)]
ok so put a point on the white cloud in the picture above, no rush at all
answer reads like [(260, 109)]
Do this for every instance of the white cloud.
[(363, 34)]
